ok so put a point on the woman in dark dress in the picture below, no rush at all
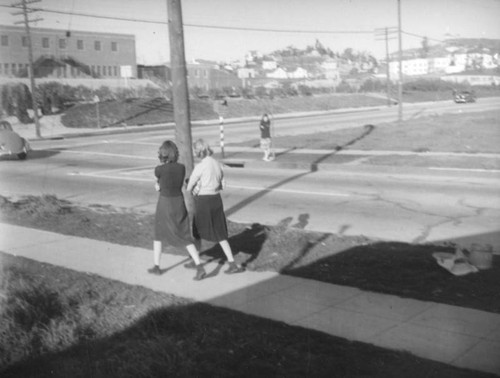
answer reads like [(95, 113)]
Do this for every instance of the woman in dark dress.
[(265, 137), (206, 182), (171, 218)]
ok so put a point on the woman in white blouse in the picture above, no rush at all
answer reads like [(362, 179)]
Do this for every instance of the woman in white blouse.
[(206, 182)]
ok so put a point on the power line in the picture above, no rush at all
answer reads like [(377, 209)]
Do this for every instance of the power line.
[(81, 14), (219, 27), (422, 36)]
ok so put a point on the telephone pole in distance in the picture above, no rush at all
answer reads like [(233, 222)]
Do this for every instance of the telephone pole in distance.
[(25, 11)]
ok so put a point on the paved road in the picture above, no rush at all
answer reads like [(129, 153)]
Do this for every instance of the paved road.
[(395, 205)]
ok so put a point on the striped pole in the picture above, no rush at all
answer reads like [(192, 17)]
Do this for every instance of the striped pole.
[(221, 123)]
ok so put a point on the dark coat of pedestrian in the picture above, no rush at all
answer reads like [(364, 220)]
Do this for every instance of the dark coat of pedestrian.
[(265, 137)]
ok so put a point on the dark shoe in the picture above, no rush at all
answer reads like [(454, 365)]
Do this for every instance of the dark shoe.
[(200, 274), (233, 268), (190, 265), (155, 270)]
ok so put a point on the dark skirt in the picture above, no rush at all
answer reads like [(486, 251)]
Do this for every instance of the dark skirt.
[(209, 219), (172, 222)]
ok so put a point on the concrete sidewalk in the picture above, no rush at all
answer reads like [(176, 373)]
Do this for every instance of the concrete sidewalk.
[(457, 336)]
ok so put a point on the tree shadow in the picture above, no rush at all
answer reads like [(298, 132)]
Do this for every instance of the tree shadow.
[(401, 269), (368, 129), (176, 337)]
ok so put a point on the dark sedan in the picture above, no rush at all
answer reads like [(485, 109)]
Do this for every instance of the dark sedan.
[(464, 97)]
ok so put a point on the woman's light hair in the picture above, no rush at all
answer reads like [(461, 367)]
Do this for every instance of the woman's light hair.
[(202, 149)]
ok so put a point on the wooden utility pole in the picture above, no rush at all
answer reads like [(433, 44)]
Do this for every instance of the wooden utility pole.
[(180, 90), (400, 58), (25, 10)]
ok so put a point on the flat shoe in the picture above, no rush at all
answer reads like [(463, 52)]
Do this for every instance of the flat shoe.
[(234, 269), (155, 270), (200, 274), (190, 265)]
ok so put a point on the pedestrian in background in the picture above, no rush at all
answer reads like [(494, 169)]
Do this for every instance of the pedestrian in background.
[(171, 219), (265, 137), (206, 182)]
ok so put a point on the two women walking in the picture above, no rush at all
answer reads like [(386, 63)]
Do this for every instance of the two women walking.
[(172, 224)]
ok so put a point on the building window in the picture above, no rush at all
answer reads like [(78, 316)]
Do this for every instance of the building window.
[(24, 41), (114, 46), (97, 45), (45, 43), (62, 43), (79, 44), (116, 71), (196, 73), (5, 40), (14, 70), (98, 70), (103, 70), (6, 68), (110, 71)]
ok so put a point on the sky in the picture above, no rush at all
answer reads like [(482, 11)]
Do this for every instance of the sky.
[(225, 30)]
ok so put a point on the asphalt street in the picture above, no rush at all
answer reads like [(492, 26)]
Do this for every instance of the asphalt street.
[(389, 204)]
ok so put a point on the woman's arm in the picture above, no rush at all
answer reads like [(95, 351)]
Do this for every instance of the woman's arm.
[(194, 178)]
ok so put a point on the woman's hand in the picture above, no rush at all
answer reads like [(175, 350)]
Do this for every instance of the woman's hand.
[(157, 187)]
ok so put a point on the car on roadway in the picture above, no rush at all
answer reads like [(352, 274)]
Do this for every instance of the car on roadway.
[(463, 97), (11, 143)]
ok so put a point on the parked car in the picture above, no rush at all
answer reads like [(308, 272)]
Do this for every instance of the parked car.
[(464, 96), (12, 143)]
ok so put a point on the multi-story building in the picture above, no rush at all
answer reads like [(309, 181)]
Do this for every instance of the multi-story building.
[(67, 54), (410, 67), (207, 76)]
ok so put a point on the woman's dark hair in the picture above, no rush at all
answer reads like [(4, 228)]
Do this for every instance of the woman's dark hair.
[(168, 152)]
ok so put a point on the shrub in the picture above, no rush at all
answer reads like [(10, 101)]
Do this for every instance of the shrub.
[(428, 85), (16, 99)]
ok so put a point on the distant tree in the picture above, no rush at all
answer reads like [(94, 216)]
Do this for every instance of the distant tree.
[(260, 92), (348, 54), (319, 47)]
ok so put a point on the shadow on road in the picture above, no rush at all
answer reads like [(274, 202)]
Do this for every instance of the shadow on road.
[(368, 129)]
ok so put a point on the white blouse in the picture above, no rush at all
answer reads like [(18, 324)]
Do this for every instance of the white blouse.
[(208, 176)]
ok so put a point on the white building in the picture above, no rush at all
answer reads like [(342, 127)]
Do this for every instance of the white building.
[(268, 64), (278, 73), (246, 73), (299, 73), (410, 67), (330, 69)]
